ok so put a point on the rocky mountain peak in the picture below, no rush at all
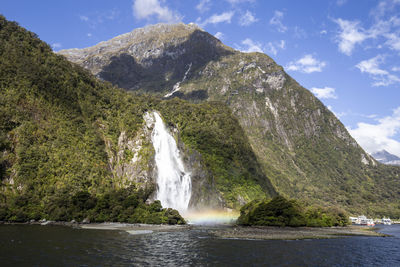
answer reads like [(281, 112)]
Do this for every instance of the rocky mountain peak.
[(154, 34), (304, 150), (386, 158), (165, 51)]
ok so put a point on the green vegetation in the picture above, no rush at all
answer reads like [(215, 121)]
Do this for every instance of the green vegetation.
[(59, 125), (123, 205), (54, 119), (304, 150), (212, 130), (59, 131), (282, 212)]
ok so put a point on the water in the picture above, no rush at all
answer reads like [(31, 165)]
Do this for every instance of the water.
[(173, 182), (35, 245)]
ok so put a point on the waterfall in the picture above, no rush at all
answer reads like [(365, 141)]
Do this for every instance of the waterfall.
[(173, 182)]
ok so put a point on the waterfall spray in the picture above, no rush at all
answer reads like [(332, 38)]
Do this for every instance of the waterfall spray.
[(173, 182)]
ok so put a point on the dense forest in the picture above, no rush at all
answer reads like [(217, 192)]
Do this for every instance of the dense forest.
[(56, 119), (280, 211), (60, 128)]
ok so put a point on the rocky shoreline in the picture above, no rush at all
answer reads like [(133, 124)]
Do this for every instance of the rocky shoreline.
[(294, 233), (130, 228), (227, 231)]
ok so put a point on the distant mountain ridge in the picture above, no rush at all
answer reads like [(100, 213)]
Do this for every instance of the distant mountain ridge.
[(304, 150), (386, 158)]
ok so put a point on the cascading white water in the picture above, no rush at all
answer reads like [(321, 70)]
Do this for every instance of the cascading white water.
[(174, 183)]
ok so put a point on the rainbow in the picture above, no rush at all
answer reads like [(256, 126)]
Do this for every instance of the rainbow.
[(212, 217)]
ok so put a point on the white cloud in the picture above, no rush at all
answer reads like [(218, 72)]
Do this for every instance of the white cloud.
[(56, 46), (89, 35), (323, 32), (384, 7), (338, 115), (379, 28), (396, 68), (277, 21), (306, 64), (97, 18), (203, 6), (341, 2), (83, 18), (380, 76), (351, 33), (299, 33), (219, 35), (371, 66), (385, 29), (282, 44), (272, 47), (147, 9), (381, 135), (218, 18), (324, 93), (111, 14), (251, 46), (393, 41), (247, 19), (371, 116), (248, 45)]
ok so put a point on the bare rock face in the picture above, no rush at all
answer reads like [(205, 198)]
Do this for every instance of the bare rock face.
[(132, 160), (151, 59)]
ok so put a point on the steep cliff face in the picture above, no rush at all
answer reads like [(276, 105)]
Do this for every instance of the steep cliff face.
[(298, 140), (132, 162), (302, 148), (204, 190), (131, 159)]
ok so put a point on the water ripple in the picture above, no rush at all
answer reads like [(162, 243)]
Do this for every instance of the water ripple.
[(28, 245)]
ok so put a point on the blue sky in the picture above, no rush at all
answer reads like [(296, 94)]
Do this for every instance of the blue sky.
[(347, 52)]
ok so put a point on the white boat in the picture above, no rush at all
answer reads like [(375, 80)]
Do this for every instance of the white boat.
[(362, 220), (386, 221)]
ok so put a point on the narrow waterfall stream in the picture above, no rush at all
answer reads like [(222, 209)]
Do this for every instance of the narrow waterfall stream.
[(173, 182)]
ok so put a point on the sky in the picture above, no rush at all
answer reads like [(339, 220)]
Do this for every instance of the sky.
[(347, 52)]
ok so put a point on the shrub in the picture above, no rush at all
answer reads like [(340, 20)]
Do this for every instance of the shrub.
[(282, 212)]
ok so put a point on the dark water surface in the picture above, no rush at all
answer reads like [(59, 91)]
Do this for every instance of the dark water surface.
[(35, 245)]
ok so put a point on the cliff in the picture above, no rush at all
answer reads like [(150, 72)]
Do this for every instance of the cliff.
[(303, 149)]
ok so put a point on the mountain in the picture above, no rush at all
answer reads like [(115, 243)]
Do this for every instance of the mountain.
[(72, 146), (152, 59), (386, 158), (303, 149)]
